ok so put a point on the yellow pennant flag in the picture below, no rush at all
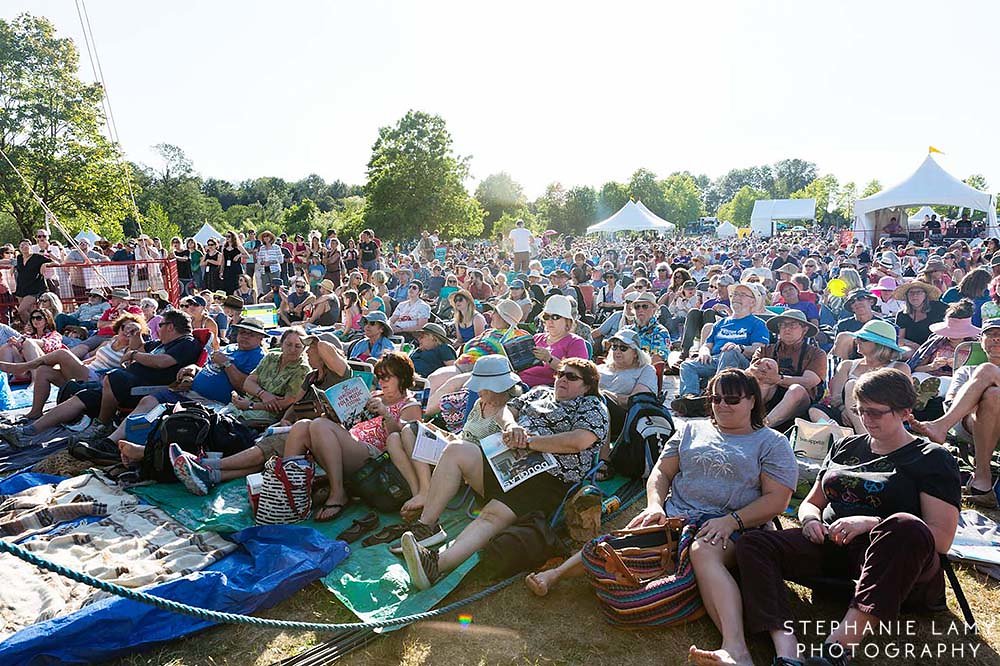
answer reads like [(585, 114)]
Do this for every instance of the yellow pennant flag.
[(932, 149)]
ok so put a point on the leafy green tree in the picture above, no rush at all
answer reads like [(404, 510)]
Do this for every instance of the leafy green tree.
[(738, 209), (580, 210), (221, 190), (682, 199), (508, 221), (157, 224), (821, 189), (299, 218), (415, 181), (846, 197), (550, 207), (611, 198), (645, 188), (873, 187), (50, 127), (176, 187), (498, 194), (791, 176), (726, 187)]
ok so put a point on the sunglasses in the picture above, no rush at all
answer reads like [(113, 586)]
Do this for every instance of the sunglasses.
[(643, 306), (383, 376), (37, 318), (552, 317), (41, 236), (728, 399), (620, 347), (870, 412), (569, 375)]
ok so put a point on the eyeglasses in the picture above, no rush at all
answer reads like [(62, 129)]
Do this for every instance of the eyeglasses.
[(643, 306), (661, 270), (562, 374), (870, 412), (414, 287), (383, 376), (552, 317), (620, 348), (728, 399), (188, 305), (37, 318)]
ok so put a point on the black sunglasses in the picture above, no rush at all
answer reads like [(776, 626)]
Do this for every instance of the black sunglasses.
[(728, 399), (569, 375), (621, 348), (37, 318), (551, 317)]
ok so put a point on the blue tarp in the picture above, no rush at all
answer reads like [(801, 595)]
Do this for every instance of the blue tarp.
[(275, 561)]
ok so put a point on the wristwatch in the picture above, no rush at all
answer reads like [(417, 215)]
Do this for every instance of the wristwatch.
[(227, 364)]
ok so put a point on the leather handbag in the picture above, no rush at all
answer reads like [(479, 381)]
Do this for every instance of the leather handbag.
[(643, 577)]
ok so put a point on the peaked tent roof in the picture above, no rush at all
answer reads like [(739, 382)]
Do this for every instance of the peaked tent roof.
[(929, 184), (207, 231), (633, 216), (917, 218), (725, 230)]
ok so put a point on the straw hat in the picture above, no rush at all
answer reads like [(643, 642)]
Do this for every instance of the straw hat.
[(933, 293), (328, 285), (251, 326), (509, 311), (789, 268), (461, 292)]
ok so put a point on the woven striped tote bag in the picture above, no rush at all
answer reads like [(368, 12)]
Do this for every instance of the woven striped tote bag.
[(643, 577)]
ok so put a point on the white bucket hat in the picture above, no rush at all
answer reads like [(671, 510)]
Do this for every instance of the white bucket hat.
[(559, 305), (493, 373)]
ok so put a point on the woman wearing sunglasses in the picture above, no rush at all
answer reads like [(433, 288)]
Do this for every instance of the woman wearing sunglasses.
[(558, 341), (731, 475), (884, 506), (575, 422)]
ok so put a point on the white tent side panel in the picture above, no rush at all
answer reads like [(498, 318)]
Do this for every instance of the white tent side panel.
[(726, 230), (766, 211)]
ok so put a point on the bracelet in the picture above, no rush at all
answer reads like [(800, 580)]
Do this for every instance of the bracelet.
[(739, 521)]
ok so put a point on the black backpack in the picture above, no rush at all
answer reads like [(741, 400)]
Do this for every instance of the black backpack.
[(190, 427), (648, 427)]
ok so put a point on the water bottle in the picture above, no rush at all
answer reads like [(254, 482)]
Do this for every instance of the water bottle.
[(610, 505)]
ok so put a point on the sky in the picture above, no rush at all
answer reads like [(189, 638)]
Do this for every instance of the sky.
[(575, 92)]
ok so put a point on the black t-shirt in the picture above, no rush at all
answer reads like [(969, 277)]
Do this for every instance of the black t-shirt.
[(29, 275), (368, 251), (851, 324), (919, 331), (183, 267), (350, 259), (964, 225), (185, 351), (933, 226), (857, 482)]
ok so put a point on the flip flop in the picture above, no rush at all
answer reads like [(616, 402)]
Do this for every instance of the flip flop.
[(359, 528), (325, 507)]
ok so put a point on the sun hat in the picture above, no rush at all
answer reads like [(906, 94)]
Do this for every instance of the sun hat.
[(933, 265), (953, 327), (726, 281), (880, 332), (645, 297), (328, 285), (378, 317), (789, 268), (250, 326), (933, 293), (194, 300), (558, 304), (995, 259), (857, 295), (119, 292), (886, 283), (689, 284), (326, 336), (413, 283), (509, 311), (97, 292), (888, 259), (437, 330), (461, 292), (791, 314), (534, 273), (234, 302), (631, 296), (492, 373)]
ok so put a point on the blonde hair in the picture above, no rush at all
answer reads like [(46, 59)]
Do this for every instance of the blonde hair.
[(852, 278)]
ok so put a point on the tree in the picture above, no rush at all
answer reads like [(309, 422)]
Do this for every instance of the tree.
[(156, 224), (498, 194), (738, 209), (682, 199), (821, 189), (549, 207), (299, 218), (580, 210), (726, 187), (50, 128), (415, 181), (873, 187), (845, 203), (791, 176), (611, 198), (645, 188)]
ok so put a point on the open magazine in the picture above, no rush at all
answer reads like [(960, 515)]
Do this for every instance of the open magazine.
[(346, 401), (514, 466), (429, 444)]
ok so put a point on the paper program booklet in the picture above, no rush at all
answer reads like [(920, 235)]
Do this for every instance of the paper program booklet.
[(514, 466), (429, 444), (347, 401)]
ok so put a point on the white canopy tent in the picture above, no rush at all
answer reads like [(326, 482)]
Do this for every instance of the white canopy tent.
[(207, 231), (930, 184), (633, 216), (726, 230), (917, 219), (89, 235), (767, 211)]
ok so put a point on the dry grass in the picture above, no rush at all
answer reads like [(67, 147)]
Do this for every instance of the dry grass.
[(515, 628)]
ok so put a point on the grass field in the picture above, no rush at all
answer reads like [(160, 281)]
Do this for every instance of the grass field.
[(514, 627)]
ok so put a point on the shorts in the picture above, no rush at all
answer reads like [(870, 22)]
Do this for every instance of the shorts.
[(272, 445), (122, 382), (542, 492), (370, 266)]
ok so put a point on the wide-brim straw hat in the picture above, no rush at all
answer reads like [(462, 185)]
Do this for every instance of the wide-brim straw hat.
[(461, 292), (933, 293), (250, 326)]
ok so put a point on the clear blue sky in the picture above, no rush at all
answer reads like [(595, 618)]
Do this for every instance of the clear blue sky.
[(575, 92)]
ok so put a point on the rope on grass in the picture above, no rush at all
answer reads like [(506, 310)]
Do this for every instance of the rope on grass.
[(234, 618)]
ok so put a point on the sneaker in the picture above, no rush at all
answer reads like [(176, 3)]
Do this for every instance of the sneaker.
[(387, 534), (984, 498), (688, 405), (95, 431), (13, 435), (426, 535), (421, 563), (195, 478), (101, 451)]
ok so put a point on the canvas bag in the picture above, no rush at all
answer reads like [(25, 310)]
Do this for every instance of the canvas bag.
[(644, 577), (286, 491), (813, 440)]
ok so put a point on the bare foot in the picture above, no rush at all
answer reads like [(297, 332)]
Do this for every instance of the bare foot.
[(929, 429), (412, 508), (131, 453), (240, 401), (540, 581), (716, 657)]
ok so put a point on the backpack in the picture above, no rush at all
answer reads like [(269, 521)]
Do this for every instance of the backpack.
[(648, 427), (190, 426)]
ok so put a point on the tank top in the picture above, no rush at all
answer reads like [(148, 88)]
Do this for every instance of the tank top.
[(107, 359)]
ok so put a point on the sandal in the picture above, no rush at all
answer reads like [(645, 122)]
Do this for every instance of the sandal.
[(359, 528), (320, 518)]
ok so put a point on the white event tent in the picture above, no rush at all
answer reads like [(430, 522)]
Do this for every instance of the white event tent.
[(89, 235), (766, 211), (930, 184), (917, 219), (207, 231), (633, 216), (726, 230)]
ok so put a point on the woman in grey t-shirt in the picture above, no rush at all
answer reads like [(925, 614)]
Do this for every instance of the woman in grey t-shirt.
[(727, 474)]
